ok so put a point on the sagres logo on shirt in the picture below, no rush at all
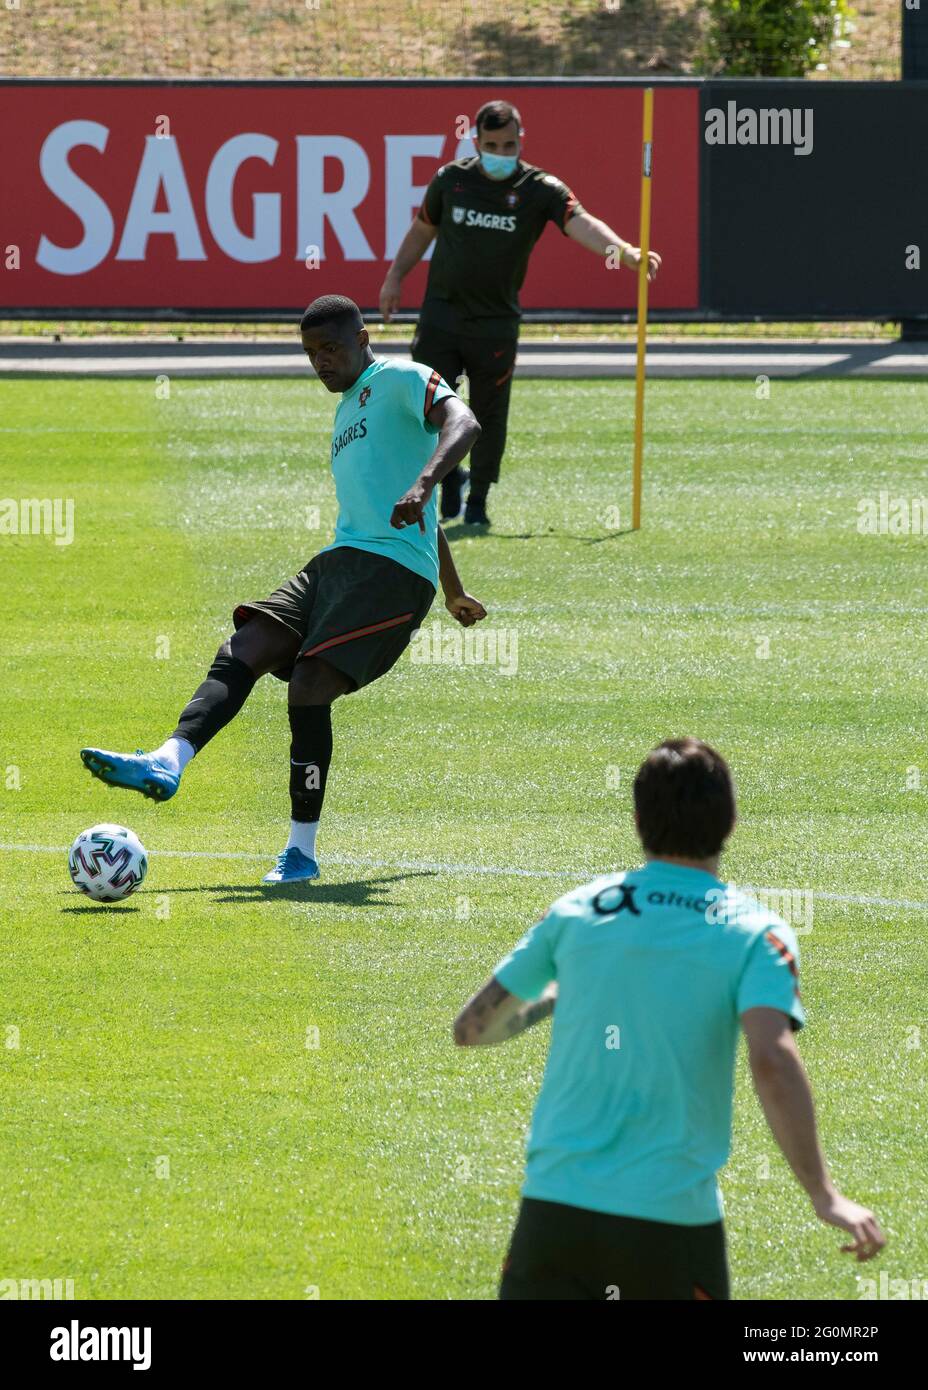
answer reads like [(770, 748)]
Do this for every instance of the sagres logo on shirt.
[(356, 431), (494, 220)]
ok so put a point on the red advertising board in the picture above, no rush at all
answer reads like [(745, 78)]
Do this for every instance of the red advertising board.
[(234, 196)]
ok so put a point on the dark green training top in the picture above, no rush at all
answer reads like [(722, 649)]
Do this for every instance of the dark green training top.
[(486, 231)]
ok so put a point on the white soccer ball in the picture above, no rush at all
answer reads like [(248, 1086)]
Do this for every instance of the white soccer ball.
[(107, 862)]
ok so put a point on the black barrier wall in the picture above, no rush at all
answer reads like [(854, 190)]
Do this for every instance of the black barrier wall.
[(831, 221)]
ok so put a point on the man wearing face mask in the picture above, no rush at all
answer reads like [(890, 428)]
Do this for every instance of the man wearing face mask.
[(485, 214)]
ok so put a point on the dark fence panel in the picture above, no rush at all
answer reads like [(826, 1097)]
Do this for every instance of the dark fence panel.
[(824, 233)]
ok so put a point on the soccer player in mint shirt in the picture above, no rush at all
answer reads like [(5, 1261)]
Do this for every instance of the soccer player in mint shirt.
[(649, 975), (349, 614)]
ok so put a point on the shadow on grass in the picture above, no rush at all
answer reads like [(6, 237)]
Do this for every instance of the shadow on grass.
[(102, 907), (362, 892), (609, 536), (454, 532)]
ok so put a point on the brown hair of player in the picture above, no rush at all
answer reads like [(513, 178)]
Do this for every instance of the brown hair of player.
[(684, 800)]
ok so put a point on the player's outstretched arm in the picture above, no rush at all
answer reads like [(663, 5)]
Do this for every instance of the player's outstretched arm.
[(786, 1098), (460, 604), (412, 248), (494, 1015), (458, 433), (597, 236)]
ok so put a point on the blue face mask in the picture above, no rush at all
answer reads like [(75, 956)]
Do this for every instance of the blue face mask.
[(498, 166)]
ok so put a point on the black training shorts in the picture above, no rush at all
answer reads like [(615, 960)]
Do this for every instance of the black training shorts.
[(354, 609), (560, 1252)]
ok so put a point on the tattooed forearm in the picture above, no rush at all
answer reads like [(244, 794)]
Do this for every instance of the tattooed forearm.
[(489, 999), (494, 1015), (529, 1015), (480, 1015)]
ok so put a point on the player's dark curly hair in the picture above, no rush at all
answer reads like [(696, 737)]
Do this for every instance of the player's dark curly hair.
[(332, 308), (684, 799), (496, 115)]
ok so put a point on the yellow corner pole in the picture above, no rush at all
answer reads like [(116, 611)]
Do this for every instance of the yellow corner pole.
[(644, 241)]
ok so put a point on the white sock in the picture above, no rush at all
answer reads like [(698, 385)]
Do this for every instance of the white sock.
[(303, 835), (175, 754)]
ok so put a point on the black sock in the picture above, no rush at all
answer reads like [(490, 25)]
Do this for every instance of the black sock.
[(310, 755), (228, 684)]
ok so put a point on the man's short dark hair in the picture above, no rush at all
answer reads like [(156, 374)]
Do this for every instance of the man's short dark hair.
[(684, 799), (332, 308), (496, 115)]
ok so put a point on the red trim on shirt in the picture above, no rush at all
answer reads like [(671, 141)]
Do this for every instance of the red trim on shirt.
[(790, 960), (784, 951), (570, 208), (434, 382)]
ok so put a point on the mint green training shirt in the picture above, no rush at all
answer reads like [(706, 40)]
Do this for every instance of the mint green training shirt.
[(654, 968), (381, 441)]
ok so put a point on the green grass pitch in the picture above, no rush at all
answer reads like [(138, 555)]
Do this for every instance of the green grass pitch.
[(167, 1130)]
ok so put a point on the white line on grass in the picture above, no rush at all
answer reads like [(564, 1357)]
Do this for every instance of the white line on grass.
[(429, 866)]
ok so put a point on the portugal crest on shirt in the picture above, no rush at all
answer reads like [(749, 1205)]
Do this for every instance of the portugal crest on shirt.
[(457, 214), (364, 396)]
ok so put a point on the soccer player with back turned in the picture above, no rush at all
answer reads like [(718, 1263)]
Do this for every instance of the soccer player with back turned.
[(648, 975), (485, 214), (349, 614)]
